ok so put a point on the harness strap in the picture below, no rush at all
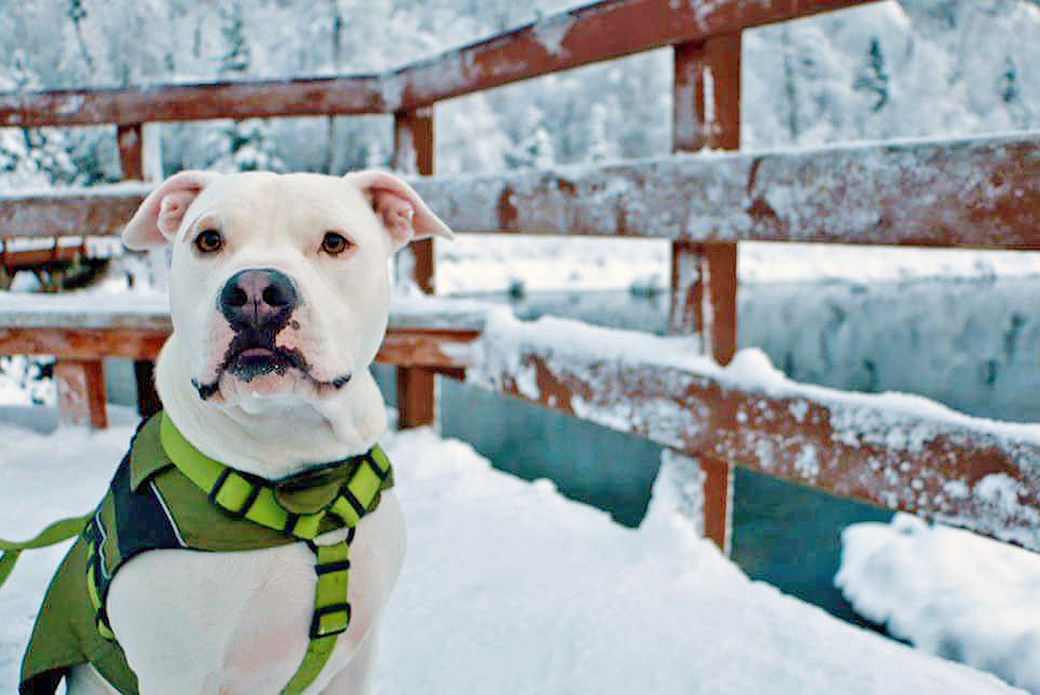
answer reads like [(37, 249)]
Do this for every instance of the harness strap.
[(229, 489), (253, 499), (331, 613)]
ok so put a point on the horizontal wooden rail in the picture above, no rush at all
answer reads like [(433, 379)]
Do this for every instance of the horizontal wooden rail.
[(194, 102), (900, 452), (585, 35), (88, 327), (598, 32), (973, 192), (96, 211)]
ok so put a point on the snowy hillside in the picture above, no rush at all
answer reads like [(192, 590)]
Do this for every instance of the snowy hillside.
[(890, 69)]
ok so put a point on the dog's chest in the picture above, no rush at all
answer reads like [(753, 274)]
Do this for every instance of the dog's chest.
[(240, 620)]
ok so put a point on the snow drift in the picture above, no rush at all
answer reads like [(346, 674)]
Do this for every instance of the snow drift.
[(949, 592)]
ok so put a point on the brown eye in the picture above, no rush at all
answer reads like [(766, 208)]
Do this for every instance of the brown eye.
[(209, 241), (334, 244)]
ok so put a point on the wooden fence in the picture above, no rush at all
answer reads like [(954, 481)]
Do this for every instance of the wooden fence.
[(982, 192)]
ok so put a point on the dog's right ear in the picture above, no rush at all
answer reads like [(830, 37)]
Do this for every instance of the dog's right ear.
[(157, 220)]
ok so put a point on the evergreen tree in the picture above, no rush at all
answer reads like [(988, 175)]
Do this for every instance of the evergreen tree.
[(1007, 83), (77, 13), (534, 147), (244, 145), (790, 87), (872, 77), (235, 60), (601, 147), (31, 157)]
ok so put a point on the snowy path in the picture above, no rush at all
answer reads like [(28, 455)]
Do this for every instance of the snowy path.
[(510, 588)]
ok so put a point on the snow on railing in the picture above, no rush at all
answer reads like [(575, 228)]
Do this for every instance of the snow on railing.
[(895, 450)]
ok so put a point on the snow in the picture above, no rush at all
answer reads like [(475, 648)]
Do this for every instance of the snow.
[(510, 588), (551, 32), (948, 592), (872, 418)]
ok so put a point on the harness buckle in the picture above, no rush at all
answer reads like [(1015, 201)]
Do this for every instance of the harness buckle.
[(320, 628)]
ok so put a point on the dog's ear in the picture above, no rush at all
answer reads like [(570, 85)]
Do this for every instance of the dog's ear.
[(400, 209), (157, 220)]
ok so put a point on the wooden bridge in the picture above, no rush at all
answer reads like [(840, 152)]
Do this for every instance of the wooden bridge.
[(977, 192)]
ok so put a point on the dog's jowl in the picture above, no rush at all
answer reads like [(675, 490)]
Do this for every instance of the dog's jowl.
[(250, 538)]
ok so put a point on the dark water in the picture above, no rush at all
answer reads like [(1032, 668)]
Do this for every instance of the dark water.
[(971, 345)]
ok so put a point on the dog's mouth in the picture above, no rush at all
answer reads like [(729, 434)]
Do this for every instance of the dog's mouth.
[(252, 354)]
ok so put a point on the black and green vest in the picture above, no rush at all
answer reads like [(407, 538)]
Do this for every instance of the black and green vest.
[(167, 494)]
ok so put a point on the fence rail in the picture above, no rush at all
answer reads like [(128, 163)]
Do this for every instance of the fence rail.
[(981, 192), (598, 32)]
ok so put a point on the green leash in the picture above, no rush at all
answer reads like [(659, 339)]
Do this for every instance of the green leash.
[(57, 532)]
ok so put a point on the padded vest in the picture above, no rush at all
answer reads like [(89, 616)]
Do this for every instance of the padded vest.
[(151, 504)]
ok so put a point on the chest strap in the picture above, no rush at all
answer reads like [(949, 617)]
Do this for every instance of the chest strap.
[(255, 500)]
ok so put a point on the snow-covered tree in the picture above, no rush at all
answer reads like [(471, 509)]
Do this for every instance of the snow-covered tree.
[(872, 78), (31, 157), (601, 146), (1007, 82), (534, 145), (243, 145), (235, 60)]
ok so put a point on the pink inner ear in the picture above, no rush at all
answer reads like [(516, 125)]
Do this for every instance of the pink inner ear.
[(172, 210), (396, 213)]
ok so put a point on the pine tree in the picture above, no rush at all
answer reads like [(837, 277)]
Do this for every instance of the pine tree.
[(534, 147), (77, 13), (32, 156), (872, 78), (244, 145), (235, 60), (790, 87), (601, 148), (1007, 83)]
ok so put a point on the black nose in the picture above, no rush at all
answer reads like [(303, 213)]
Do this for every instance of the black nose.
[(258, 299)]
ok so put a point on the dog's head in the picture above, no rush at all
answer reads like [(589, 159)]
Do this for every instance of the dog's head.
[(279, 283)]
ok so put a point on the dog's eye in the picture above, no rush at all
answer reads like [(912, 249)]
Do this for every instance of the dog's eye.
[(209, 241), (334, 244)]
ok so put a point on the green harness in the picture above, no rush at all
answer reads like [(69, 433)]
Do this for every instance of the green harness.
[(158, 499)]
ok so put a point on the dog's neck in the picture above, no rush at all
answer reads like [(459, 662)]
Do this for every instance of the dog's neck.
[(272, 439)]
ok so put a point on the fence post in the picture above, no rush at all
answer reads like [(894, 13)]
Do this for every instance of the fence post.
[(130, 138), (132, 160), (706, 115), (413, 154), (81, 392)]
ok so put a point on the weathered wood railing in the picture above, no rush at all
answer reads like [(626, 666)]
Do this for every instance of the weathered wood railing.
[(980, 192)]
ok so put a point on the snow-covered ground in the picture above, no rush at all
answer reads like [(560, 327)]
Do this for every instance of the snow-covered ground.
[(510, 588), (948, 592)]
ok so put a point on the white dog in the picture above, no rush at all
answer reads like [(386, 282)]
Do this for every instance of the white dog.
[(279, 295)]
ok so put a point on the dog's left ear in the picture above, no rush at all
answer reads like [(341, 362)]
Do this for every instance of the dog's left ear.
[(157, 220), (400, 209)]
